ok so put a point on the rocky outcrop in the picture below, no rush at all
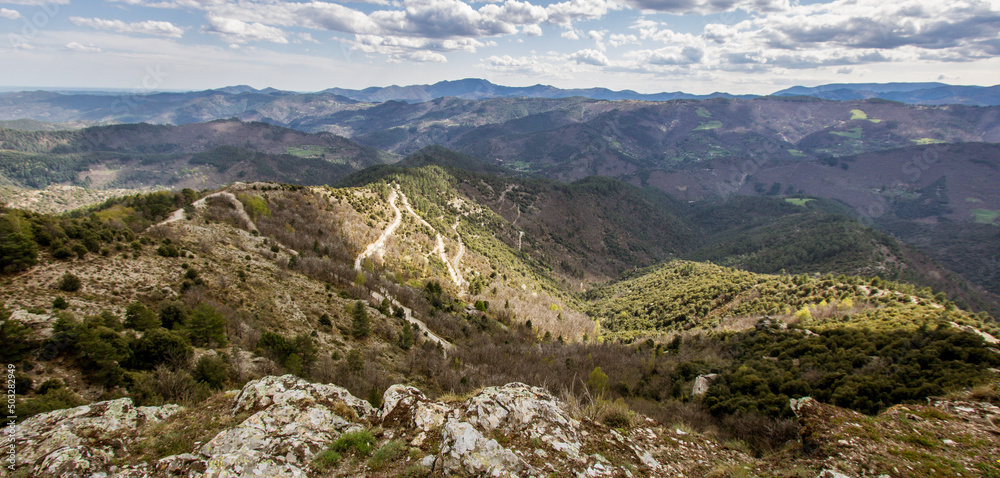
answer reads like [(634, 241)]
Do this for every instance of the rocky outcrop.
[(290, 421), (83, 441), (701, 384), (277, 426), (944, 438), (282, 423)]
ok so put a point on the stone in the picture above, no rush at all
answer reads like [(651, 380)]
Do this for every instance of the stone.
[(831, 474), (291, 421), (84, 441), (701, 384), (464, 448), (519, 409)]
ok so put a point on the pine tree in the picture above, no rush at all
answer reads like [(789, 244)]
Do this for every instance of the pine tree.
[(360, 325), (406, 338)]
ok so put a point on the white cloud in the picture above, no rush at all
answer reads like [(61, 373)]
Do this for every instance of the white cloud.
[(704, 7), (774, 35), (535, 66), (565, 13), (618, 39), (590, 57), (149, 27), (305, 37), (82, 48), (9, 14), (400, 48), (237, 31), (36, 2)]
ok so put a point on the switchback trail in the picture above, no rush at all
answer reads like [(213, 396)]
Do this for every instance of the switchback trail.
[(378, 247)]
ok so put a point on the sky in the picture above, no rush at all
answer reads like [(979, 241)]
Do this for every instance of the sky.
[(696, 46)]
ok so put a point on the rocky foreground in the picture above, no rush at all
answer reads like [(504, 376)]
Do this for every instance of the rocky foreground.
[(284, 427)]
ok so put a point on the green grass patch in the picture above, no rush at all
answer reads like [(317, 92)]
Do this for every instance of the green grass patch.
[(325, 460), (853, 133), (795, 152), (975, 200), (360, 441), (309, 151), (704, 113), (858, 115), (923, 141), (798, 201), (709, 125), (385, 455), (984, 216), (522, 165)]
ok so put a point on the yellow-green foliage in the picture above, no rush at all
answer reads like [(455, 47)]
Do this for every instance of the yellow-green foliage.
[(115, 213), (254, 205), (798, 201), (684, 295)]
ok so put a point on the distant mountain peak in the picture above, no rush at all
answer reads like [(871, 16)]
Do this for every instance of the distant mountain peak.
[(237, 89)]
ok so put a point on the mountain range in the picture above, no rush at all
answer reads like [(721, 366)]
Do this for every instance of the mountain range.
[(310, 285)]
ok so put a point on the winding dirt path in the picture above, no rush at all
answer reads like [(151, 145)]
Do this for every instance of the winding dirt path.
[(378, 247), (439, 249), (202, 204), (458, 255), (419, 324)]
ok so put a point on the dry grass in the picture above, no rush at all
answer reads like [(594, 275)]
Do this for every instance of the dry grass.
[(613, 413)]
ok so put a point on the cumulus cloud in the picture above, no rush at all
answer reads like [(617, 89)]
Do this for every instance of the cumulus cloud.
[(150, 27), (532, 30), (536, 66), (590, 57), (773, 35), (704, 7), (237, 31), (565, 13), (9, 14), (36, 2), (399, 48), (619, 39), (82, 48)]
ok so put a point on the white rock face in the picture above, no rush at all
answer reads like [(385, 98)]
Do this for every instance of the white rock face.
[(518, 409), (463, 447), (509, 431), (701, 384), (292, 420), (82, 441)]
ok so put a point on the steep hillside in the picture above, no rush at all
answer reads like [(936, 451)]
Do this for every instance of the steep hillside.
[(544, 220), (164, 298), (939, 198), (201, 155)]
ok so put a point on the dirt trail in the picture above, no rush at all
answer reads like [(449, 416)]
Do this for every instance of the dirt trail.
[(461, 251), (439, 249), (503, 195), (202, 204), (419, 324), (378, 247)]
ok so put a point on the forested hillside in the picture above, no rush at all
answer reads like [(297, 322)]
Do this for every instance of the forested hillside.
[(195, 155)]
